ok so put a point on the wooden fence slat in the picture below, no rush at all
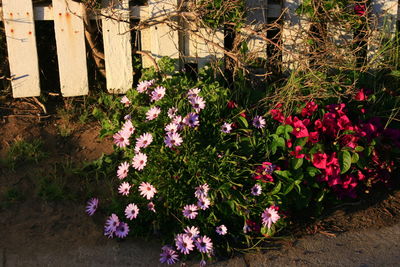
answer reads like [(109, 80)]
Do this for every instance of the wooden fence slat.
[(117, 46), (257, 15), (294, 37), (164, 40), (385, 16), (21, 45), (71, 47)]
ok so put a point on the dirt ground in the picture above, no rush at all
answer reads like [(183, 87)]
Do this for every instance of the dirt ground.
[(39, 232)]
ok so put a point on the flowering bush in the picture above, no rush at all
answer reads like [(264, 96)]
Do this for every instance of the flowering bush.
[(208, 175)]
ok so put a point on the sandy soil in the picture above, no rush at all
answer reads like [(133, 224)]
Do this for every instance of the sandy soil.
[(35, 232)]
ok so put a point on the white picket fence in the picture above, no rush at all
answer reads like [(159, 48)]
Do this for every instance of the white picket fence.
[(158, 41)]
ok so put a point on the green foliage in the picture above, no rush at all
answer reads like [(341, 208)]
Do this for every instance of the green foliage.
[(23, 152)]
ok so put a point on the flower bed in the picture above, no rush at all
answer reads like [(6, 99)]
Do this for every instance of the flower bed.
[(210, 175)]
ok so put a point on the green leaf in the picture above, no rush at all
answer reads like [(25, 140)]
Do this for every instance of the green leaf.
[(312, 171), (243, 122), (289, 188), (344, 161), (288, 130), (296, 163), (284, 174), (359, 149), (355, 157), (280, 130), (276, 189)]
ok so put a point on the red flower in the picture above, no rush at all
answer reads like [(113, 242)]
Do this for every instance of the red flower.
[(231, 104), (277, 115), (337, 108), (309, 109), (289, 143), (343, 122), (299, 129), (296, 152), (332, 166), (360, 9), (318, 124), (243, 114), (319, 160), (361, 95), (314, 137), (264, 172)]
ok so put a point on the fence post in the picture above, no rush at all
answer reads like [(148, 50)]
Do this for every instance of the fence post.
[(21, 45), (71, 47), (257, 16), (117, 46)]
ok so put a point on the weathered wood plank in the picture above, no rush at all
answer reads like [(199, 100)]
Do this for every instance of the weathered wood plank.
[(294, 35), (117, 46), (21, 45), (384, 18), (164, 40), (71, 48)]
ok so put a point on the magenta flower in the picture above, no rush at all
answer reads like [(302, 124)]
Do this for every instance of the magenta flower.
[(198, 103), (204, 244), (270, 216), (299, 129), (259, 122), (121, 139), (264, 172), (111, 225), (147, 190), (221, 230), (296, 153), (131, 211), (203, 203), (168, 255), (153, 113), (202, 191), (122, 230), (192, 232), (124, 188), (125, 100), (309, 109), (92, 205), (150, 206), (226, 127), (190, 211), (123, 170), (139, 161), (277, 115), (191, 120), (256, 190), (173, 139), (144, 85), (184, 243), (144, 140), (128, 127), (319, 160), (158, 93)]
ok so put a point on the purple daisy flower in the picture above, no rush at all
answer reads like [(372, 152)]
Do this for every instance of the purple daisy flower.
[(92, 205), (192, 232), (198, 103), (190, 211), (202, 191), (124, 188), (158, 93), (203, 203), (131, 211), (270, 216), (226, 127), (259, 122), (122, 230), (184, 243), (203, 244), (144, 140), (202, 263), (111, 225), (221, 230), (153, 113), (168, 255), (139, 161), (256, 190), (192, 120), (123, 170), (173, 139)]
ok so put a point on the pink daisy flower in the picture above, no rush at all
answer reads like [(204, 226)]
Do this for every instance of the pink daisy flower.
[(270, 216), (184, 243), (122, 230), (192, 120), (172, 112), (226, 127), (221, 230), (202, 191), (177, 120), (125, 100), (144, 85), (190, 211), (203, 203), (123, 170), (158, 93), (153, 113), (150, 206), (131, 211), (198, 103), (121, 139), (139, 161), (259, 122), (192, 232), (127, 117), (168, 255), (111, 225), (193, 92), (256, 190), (92, 205), (171, 128), (124, 188), (204, 244), (173, 139), (144, 140), (128, 127), (147, 190)]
